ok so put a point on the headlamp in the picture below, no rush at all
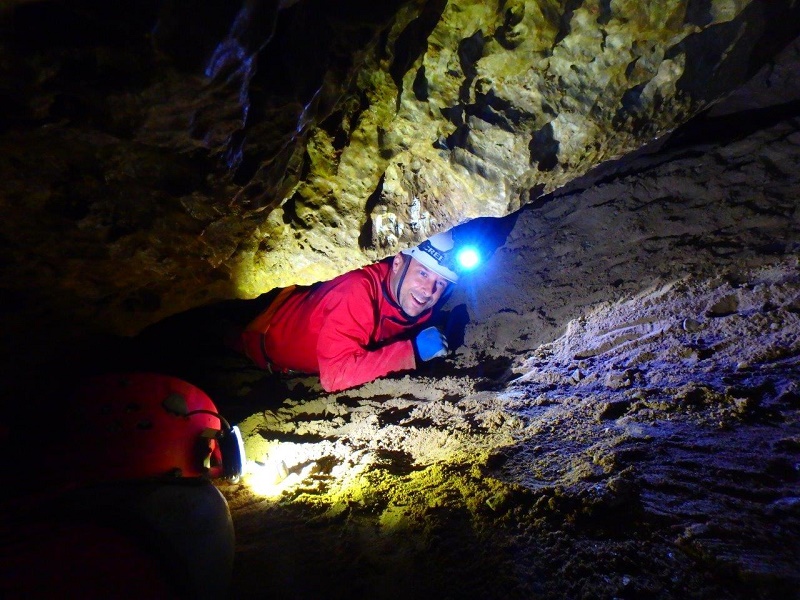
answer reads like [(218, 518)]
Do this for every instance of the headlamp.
[(232, 448), (443, 254), (468, 258)]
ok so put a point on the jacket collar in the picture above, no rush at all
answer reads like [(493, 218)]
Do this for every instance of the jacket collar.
[(394, 304)]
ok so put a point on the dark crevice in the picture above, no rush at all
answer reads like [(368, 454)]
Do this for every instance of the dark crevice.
[(457, 139), (725, 129), (420, 85), (454, 114), (295, 438), (498, 111), (470, 51), (605, 12), (631, 106), (412, 43), (698, 12), (333, 125), (365, 238), (544, 148), (566, 18), (394, 415)]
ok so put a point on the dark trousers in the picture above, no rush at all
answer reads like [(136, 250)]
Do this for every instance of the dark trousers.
[(195, 345)]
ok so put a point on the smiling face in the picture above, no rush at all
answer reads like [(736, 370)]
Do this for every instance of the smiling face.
[(421, 287)]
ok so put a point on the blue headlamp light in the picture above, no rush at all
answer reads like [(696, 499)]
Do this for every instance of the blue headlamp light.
[(468, 258)]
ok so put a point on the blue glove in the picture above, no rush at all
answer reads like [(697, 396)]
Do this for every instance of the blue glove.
[(430, 343)]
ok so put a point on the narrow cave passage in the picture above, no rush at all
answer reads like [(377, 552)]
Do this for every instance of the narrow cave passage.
[(621, 419), (618, 415)]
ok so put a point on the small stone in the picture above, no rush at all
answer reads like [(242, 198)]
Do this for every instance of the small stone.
[(616, 380), (691, 325), (613, 410)]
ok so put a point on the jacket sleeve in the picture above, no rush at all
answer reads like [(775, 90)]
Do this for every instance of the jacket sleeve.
[(344, 360)]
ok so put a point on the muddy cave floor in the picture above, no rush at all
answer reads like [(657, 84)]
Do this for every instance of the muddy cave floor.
[(622, 419)]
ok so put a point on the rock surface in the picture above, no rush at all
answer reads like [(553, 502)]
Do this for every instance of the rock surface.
[(158, 156), (669, 467)]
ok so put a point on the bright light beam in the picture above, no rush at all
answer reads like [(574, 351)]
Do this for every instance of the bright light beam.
[(468, 258)]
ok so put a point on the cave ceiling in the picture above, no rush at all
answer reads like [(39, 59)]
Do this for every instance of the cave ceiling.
[(161, 155)]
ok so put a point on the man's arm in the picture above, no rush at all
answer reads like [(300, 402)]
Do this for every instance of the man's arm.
[(344, 360)]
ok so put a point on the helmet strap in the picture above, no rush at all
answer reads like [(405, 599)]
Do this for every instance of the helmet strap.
[(406, 264)]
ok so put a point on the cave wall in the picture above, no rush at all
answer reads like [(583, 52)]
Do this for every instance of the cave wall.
[(159, 155)]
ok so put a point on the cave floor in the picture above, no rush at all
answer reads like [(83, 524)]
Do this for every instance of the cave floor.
[(650, 466), (622, 419)]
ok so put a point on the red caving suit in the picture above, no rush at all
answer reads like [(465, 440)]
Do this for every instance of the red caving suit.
[(349, 330)]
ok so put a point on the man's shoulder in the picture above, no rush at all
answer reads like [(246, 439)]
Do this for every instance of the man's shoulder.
[(378, 270), (368, 273), (367, 279)]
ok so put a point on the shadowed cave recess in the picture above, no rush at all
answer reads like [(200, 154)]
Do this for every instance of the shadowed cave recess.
[(618, 416)]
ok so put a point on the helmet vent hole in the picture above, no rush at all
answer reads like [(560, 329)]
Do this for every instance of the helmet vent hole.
[(176, 404)]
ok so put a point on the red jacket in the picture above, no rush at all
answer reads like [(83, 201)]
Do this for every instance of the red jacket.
[(349, 330)]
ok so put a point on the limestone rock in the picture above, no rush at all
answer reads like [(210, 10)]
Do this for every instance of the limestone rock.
[(161, 155)]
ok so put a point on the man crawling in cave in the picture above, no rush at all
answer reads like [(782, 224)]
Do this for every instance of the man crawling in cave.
[(362, 324), (352, 329)]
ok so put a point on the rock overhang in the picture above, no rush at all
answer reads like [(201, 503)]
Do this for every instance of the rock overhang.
[(186, 156)]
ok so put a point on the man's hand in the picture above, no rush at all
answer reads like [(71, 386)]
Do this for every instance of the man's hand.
[(430, 343)]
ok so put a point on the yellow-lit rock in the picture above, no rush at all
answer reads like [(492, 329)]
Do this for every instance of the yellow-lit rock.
[(189, 156)]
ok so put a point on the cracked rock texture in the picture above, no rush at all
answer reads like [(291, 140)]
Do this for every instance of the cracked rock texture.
[(156, 156)]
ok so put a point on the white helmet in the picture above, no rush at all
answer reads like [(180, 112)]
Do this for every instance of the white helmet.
[(437, 254)]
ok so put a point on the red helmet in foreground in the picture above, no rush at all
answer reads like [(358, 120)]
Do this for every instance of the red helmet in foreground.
[(145, 425)]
